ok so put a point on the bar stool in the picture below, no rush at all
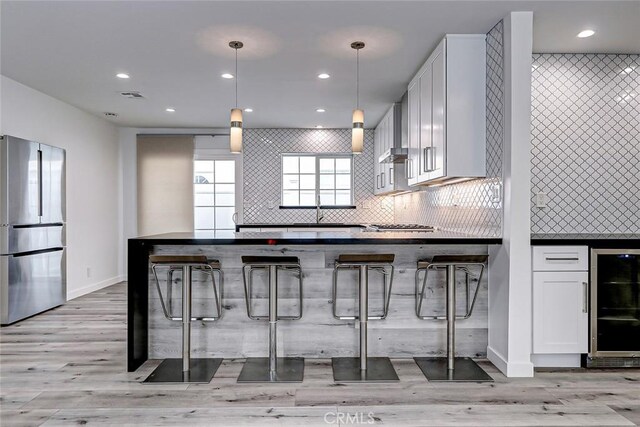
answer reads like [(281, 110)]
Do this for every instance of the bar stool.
[(272, 368), (450, 368), (364, 368), (186, 369)]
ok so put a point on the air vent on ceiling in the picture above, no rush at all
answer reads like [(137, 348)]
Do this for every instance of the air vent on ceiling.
[(132, 94), (112, 115)]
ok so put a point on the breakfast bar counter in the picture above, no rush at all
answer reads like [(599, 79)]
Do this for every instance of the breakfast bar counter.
[(317, 251)]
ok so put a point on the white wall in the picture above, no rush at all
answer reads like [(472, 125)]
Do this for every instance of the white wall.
[(510, 330), (93, 179)]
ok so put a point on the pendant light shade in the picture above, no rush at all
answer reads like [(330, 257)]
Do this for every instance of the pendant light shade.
[(235, 129), (357, 132), (235, 132)]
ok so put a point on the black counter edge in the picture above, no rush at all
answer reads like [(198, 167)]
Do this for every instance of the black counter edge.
[(320, 241), (614, 243)]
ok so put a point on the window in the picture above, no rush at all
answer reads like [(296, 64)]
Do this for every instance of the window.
[(214, 194), (307, 176)]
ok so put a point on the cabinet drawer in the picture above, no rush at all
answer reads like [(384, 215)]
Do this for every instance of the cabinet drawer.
[(560, 258)]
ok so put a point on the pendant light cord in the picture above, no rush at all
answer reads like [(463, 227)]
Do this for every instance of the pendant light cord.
[(358, 78), (236, 49)]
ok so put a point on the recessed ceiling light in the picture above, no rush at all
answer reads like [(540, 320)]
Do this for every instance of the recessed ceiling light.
[(249, 110), (586, 33), (323, 76), (319, 126), (227, 76), (170, 110), (122, 75), (320, 110)]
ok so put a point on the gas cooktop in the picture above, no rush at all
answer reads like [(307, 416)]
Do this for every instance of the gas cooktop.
[(401, 227)]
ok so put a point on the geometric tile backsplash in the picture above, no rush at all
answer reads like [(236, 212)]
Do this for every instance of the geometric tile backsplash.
[(585, 129), (473, 207), (262, 176)]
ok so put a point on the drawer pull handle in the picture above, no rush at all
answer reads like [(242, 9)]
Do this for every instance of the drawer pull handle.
[(562, 259)]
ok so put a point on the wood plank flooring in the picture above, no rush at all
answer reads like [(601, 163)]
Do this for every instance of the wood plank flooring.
[(68, 367)]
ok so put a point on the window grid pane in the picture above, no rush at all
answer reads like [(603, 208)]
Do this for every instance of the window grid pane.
[(301, 182), (214, 194)]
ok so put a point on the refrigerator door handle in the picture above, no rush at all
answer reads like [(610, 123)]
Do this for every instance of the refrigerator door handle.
[(40, 210), (37, 252)]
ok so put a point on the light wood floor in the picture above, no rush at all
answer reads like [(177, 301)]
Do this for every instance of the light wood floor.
[(67, 366)]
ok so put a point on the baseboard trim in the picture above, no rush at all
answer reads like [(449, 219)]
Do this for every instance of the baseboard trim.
[(93, 287), (509, 369), (497, 359)]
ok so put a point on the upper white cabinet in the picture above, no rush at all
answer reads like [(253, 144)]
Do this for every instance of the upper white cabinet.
[(447, 114), (389, 177)]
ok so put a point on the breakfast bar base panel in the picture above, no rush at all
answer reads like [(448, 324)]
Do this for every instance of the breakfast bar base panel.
[(466, 370), (170, 371), (347, 370)]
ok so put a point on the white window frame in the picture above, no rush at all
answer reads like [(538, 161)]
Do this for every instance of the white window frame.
[(317, 157), (238, 179)]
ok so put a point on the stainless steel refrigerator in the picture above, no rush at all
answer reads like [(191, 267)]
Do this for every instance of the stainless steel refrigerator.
[(32, 228)]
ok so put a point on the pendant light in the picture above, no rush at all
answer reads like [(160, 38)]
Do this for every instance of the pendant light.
[(357, 132), (235, 131)]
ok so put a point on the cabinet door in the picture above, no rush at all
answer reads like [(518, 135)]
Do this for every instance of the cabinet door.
[(426, 143), (376, 166), (413, 161), (560, 312), (438, 106)]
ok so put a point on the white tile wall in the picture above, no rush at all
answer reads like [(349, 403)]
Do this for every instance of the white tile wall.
[(262, 183), (586, 143)]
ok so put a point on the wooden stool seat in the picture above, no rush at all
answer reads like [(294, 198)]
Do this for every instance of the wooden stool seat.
[(366, 258)]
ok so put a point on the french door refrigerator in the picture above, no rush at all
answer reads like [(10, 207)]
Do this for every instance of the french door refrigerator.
[(32, 228)]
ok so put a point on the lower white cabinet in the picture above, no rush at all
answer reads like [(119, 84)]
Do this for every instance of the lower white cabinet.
[(560, 305), (560, 312)]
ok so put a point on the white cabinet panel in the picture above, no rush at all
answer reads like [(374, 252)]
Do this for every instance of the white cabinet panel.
[(414, 132), (436, 158), (447, 112), (560, 258), (560, 312), (388, 177)]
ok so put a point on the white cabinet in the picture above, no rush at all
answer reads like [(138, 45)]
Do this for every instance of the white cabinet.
[(560, 312), (389, 177), (447, 114), (560, 304)]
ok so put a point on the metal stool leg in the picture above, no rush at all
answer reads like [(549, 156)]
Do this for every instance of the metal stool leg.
[(185, 370), (273, 322), (186, 318), (363, 368), (363, 314), (451, 368), (271, 368)]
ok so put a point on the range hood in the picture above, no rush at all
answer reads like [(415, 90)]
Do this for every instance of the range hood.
[(394, 155)]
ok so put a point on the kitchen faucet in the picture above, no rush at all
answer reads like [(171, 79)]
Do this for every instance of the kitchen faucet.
[(319, 214)]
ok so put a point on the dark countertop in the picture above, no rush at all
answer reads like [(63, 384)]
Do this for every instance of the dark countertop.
[(302, 225), (317, 238), (593, 240)]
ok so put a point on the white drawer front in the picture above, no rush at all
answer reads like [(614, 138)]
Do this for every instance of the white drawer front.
[(560, 258)]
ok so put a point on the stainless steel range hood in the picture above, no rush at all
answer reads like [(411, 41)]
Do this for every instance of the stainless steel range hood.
[(394, 155)]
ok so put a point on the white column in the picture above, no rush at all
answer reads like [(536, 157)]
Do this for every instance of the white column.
[(510, 330)]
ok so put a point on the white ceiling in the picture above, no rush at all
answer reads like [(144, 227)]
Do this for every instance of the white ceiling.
[(175, 52)]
